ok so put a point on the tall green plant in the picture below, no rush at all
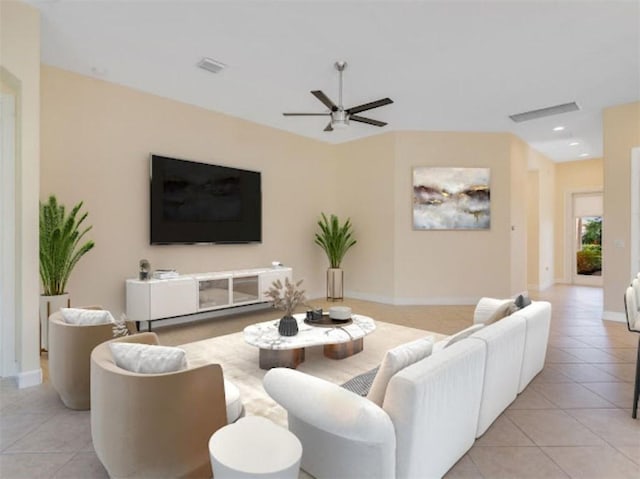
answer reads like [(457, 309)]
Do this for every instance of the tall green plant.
[(60, 248), (335, 239)]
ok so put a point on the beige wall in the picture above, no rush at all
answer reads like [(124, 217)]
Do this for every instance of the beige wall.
[(20, 57), (571, 177), (519, 154), (96, 139), (441, 267), (533, 230), (621, 133), (542, 237), (365, 187)]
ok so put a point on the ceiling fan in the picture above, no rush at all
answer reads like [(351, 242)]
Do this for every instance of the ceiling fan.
[(341, 116)]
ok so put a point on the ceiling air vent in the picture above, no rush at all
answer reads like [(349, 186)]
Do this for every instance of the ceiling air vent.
[(211, 65), (542, 112)]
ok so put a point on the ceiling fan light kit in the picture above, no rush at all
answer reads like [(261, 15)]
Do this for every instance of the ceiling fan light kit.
[(340, 116)]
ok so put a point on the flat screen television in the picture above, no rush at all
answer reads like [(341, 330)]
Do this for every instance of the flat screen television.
[(202, 203)]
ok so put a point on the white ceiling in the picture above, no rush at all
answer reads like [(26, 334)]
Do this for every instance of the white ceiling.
[(448, 65)]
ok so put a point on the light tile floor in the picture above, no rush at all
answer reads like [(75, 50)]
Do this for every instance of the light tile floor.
[(573, 420)]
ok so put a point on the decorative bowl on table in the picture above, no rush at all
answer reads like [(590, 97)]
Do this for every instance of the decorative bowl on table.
[(340, 313)]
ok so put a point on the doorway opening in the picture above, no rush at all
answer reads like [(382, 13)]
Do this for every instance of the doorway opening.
[(587, 239)]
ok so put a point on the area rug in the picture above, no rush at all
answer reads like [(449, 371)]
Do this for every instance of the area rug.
[(239, 363)]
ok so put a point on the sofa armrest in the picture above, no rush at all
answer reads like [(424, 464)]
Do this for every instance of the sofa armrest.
[(328, 406)]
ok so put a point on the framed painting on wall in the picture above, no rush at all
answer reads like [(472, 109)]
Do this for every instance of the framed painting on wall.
[(447, 198)]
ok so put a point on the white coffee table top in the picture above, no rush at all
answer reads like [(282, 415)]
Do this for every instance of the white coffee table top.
[(265, 335), (255, 445)]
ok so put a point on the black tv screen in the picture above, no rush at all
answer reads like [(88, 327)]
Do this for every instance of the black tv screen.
[(202, 203)]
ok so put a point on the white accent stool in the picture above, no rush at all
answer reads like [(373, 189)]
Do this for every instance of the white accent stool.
[(254, 447)]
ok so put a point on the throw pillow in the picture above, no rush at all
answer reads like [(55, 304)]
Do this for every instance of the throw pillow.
[(119, 327), (148, 358), (523, 300), (395, 360), (506, 309), (487, 307), (361, 384), (465, 333), (86, 316)]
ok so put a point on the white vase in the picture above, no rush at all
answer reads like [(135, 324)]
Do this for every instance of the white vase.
[(335, 290), (48, 306)]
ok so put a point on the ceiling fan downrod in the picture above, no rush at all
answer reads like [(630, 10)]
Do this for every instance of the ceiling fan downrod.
[(340, 66)]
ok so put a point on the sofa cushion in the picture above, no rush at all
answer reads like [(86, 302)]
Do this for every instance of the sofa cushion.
[(86, 317), (148, 358), (504, 343), (395, 360), (434, 406), (538, 318)]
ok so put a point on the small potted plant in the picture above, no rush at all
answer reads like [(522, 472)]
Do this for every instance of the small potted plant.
[(335, 239), (286, 297)]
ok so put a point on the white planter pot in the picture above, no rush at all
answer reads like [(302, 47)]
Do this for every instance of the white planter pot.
[(48, 306), (335, 289)]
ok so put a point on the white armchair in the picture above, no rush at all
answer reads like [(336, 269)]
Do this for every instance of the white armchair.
[(428, 419)]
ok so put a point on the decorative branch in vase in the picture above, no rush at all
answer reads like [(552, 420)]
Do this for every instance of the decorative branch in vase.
[(286, 297)]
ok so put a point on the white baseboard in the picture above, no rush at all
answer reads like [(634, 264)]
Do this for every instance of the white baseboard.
[(28, 379), (444, 301), (376, 298), (546, 285), (541, 287), (613, 316)]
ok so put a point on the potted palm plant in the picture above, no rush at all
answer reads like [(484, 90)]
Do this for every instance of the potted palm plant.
[(61, 248), (335, 239)]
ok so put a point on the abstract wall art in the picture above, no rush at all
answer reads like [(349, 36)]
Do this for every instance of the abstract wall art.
[(451, 198)]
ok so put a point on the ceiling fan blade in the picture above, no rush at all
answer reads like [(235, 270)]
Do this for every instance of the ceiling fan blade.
[(328, 127), (369, 121), (324, 99), (306, 114), (370, 106)]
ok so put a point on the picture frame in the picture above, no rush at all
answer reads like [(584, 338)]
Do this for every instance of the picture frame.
[(451, 198)]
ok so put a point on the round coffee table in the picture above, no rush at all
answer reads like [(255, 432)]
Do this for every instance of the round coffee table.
[(339, 341)]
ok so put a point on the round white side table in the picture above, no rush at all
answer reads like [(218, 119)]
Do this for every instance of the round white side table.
[(254, 447)]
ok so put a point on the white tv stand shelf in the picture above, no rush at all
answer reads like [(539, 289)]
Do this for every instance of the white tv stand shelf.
[(155, 299)]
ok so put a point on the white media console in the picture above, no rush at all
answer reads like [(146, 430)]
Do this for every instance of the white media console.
[(155, 299)]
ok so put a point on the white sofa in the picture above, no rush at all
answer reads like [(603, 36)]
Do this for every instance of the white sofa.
[(432, 410)]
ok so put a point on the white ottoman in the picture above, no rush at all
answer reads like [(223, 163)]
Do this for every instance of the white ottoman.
[(254, 447)]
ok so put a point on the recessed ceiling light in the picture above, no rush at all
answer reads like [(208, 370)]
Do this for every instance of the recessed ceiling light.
[(558, 128), (582, 155), (574, 143)]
